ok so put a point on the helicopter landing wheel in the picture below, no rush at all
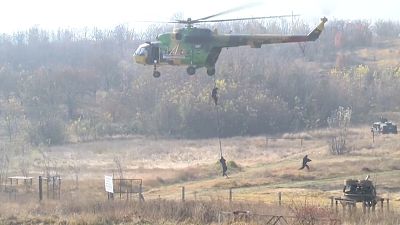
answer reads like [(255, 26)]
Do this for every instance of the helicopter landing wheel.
[(191, 70), (210, 71), (156, 74)]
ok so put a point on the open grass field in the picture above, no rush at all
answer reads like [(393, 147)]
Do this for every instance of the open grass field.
[(258, 168)]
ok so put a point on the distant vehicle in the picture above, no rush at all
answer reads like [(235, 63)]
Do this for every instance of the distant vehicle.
[(384, 127)]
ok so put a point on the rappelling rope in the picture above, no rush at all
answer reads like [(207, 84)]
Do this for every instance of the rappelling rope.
[(218, 121)]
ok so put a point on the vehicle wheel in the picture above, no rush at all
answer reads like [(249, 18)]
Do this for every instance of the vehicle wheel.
[(191, 70), (210, 71), (156, 74)]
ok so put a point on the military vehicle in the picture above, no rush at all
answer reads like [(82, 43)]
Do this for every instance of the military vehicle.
[(384, 127), (360, 191)]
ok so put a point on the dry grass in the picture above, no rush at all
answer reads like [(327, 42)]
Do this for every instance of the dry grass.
[(259, 170)]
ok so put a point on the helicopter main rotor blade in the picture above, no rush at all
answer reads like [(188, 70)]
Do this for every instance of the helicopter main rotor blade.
[(152, 21), (248, 18), (230, 10)]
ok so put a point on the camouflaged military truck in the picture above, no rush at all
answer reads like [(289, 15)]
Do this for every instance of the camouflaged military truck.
[(360, 191), (384, 127)]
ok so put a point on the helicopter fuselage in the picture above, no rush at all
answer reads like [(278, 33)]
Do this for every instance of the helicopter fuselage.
[(200, 47), (186, 46)]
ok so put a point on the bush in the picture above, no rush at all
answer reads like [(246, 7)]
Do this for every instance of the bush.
[(50, 132)]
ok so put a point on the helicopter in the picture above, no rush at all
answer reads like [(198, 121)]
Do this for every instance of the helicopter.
[(201, 47)]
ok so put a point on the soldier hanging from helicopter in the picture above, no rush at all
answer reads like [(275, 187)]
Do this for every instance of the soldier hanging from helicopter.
[(214, 95)]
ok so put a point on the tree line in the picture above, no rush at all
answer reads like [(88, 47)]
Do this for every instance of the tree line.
[(82, 85)]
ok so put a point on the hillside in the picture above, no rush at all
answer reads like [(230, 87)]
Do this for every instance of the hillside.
[(79, 108)]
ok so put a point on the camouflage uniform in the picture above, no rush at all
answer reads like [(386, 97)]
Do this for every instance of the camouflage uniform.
[(214, 95), (305, 161), (224, 167)]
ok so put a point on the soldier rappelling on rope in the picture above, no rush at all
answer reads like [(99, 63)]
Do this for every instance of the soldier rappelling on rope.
[(214, 95)]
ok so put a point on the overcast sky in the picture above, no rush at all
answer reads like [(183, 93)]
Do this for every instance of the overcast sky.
[(16, 15)]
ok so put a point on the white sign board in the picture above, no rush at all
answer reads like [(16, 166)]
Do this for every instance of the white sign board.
[(108, 183)]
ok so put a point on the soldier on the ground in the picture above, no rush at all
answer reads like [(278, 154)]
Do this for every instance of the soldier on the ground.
[(224, 167), (305, 161)]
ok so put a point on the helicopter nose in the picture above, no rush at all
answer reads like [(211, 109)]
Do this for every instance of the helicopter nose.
[(140, 59)]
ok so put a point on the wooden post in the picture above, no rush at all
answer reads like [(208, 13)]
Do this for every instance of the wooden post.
[(363, 206), (183, 193), (280, 198), (230, 195), (373, 136), (40, 189), (387, 203), (47, 187), (120, 188), (331, 201), (336, 203), (59, 188), (54, 183), (141, 198), (301, 142)]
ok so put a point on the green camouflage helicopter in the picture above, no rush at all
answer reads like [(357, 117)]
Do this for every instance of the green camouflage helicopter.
[(200, 47)]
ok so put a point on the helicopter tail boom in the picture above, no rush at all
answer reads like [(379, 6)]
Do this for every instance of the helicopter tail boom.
[(314, 35), (255, 41)]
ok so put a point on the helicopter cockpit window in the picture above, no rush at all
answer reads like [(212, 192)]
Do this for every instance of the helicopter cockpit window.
[(141, 51)]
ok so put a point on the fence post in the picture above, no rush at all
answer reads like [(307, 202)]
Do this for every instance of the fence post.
[(141, 197), (54, 182), (387, 202), (336, 206), (331, 201), (280, 198), (364, 207), (301, 142), (183, 193), (40, 189), (230, 195)]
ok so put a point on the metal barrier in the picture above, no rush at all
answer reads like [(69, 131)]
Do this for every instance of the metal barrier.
[(247, 217)]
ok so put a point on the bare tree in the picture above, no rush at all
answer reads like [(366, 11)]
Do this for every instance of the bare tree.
[(119, 166), (4, 165), (50, 166), (75, 167), (339, 122)]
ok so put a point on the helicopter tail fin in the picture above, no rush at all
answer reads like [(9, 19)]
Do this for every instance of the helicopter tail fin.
[(314, 35)]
